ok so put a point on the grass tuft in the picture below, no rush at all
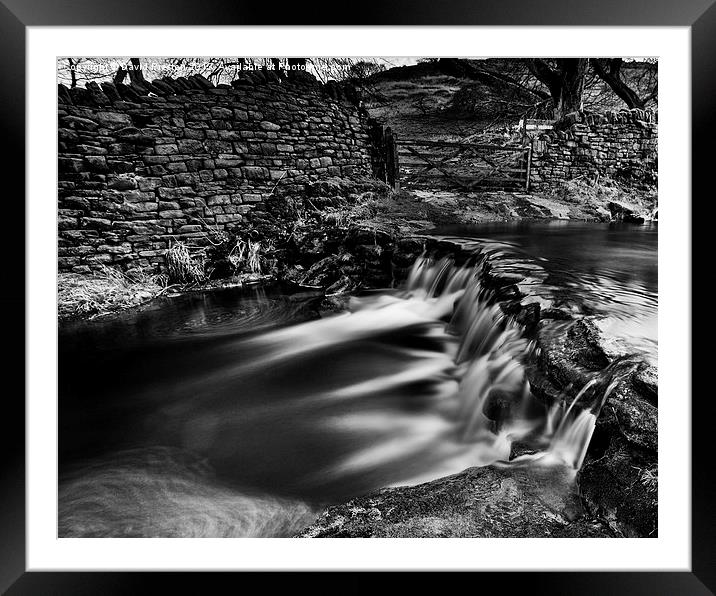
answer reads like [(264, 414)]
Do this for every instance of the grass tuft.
[(182, 266), (253, 259)]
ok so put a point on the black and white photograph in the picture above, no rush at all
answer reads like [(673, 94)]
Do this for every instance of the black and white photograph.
[(357, 297)]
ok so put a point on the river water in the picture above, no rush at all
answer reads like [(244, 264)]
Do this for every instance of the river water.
[(607, 270), (243, 412)]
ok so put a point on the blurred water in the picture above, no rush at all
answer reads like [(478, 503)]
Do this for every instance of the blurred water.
[(242, 412)]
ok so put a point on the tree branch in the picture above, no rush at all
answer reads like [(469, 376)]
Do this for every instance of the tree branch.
[(610, 72), (545, 73)]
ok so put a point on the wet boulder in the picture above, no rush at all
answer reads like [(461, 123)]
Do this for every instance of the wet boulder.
[(556, 314), (646, 381), (368, 235), (620, 476), (343, 285), (620, 212), (327, 271), (628, 414), (334, 303), (376, 264), (529, 317), (570, 351), (406, 251), (478, 502), (619, 484), (404, 254)]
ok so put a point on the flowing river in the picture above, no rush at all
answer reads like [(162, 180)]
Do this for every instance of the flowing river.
[(244, 412)]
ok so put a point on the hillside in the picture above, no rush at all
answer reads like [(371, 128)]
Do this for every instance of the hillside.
[(443, 99)]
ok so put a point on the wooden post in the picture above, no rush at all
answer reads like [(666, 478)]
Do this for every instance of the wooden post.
[(529, 168), (388, 148), (385, 155), (396, 164), (392, 169), (377, 140)]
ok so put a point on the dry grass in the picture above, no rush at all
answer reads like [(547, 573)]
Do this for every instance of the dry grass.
[(245, 254), (183, 267), (650, 479), (104, 291), (253, 259), (237, 254)]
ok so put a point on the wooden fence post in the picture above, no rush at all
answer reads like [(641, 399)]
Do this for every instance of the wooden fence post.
[(529, 168), (392, 165), (377, 139)]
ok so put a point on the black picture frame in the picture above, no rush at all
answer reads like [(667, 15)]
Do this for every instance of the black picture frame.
[(17, 15)]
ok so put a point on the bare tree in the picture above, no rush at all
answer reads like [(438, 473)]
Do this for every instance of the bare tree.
[(610, 71), (461, 68), (364, 68), (73, 72), (564, 77)]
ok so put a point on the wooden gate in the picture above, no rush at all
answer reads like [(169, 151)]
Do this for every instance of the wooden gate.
[(464, 165)]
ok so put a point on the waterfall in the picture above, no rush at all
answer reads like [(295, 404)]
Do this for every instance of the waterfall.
[(472, 355), (491, 355), (407, 386)]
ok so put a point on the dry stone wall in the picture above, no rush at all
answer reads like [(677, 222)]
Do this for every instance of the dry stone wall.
[(144, 165), (616, 144)]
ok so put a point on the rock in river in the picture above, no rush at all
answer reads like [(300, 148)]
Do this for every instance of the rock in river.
[(478, 502)]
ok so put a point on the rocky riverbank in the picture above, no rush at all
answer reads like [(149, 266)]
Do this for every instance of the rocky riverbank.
[(349, 234), (345, 234), (486, 502)]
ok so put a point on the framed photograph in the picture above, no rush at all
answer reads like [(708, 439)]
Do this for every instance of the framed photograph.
[(395, 278)]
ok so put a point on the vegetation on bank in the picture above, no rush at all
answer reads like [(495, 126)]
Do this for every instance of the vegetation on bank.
[(285, 237), (284, 240), (609, 199), (338, 237), (105, 290)]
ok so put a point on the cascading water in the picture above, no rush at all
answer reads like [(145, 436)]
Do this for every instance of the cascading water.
[(408, 386)]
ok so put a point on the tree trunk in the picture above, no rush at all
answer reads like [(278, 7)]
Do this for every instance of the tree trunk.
[(73, 73), (135, 73), (565, 82), (572, 72), (547, 75), (119, 75)]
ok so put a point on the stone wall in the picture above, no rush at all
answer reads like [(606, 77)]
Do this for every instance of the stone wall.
[(144, 165), (616, 144)]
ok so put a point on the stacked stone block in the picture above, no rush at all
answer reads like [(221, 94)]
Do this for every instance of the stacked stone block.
[(604, 144), (145, 165)]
